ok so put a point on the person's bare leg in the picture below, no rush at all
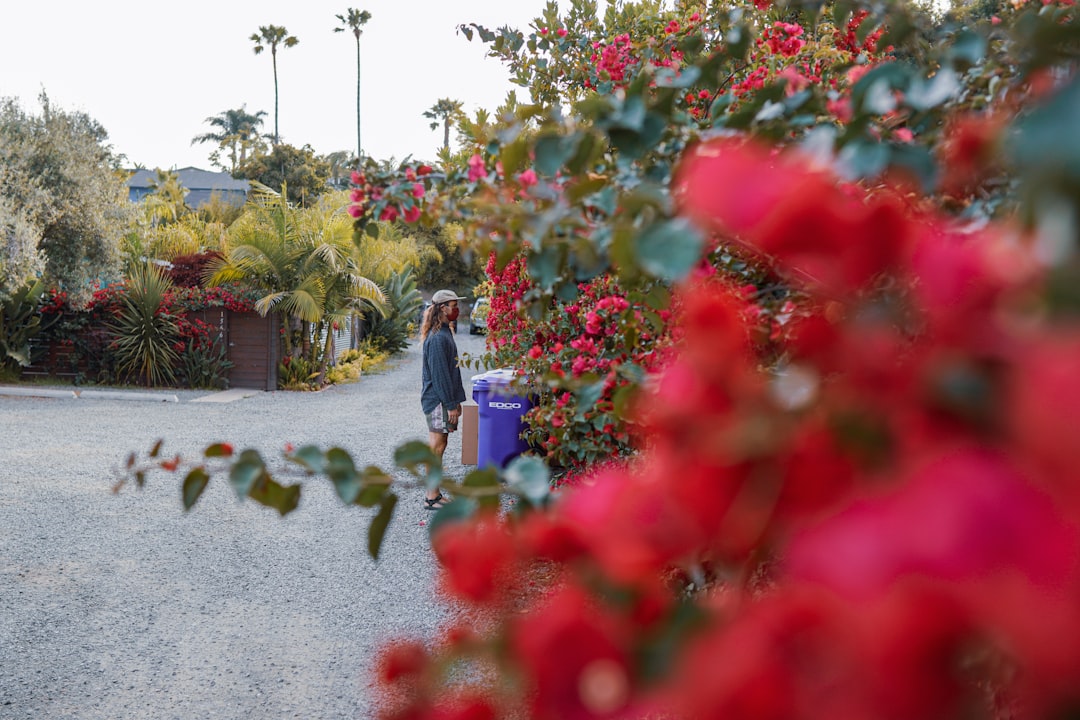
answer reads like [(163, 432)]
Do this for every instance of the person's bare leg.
[(437, 440)]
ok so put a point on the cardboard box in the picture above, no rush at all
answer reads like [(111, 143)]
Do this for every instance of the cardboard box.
[(470, 420)]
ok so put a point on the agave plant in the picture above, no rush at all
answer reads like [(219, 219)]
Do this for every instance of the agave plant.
[(391, 333), (144, 334)]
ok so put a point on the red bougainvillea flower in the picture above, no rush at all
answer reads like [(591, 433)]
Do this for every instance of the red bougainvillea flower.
[(412, 214), (403, 659), (1043, 391), (575, 658), (477, 558), (778, 206), (969, 150), (963, 516)]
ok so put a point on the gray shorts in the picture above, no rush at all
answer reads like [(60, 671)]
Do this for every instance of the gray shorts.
[(438, 421)]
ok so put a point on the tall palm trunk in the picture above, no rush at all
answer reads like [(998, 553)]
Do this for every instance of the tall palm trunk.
[(273, 57), (359, 149)]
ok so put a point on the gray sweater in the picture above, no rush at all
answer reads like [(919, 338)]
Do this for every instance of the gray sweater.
[(441, 375)]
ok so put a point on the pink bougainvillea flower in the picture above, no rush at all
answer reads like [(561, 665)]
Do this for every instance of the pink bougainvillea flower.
[(477, 170), (527, 178), (412, 214), (418, 190)]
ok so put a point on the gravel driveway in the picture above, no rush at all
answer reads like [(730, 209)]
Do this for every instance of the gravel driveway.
[(123, 606)]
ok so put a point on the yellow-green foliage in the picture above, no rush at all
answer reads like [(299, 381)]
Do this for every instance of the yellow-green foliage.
[(348, 368), (353, 363), (375, 360)]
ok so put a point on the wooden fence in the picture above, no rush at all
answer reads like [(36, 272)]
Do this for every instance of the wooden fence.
[(252, 342)]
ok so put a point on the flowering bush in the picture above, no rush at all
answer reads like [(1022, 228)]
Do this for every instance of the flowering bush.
[(887, 526), (85, 331), (859, 505)]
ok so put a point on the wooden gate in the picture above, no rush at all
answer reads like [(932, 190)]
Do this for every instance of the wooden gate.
[(254, 348)]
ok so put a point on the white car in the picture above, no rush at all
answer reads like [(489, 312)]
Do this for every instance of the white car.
[(478, 316)]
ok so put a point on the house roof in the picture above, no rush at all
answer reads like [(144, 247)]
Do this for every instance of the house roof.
[(193, 179)]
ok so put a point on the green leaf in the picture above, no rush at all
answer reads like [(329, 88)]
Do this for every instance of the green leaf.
[(376, 483), (194, 484), (669, 249), (919, 161), (864, 158), (584, 188), (587, 397), (621, 398), (486, 477), (218, 450), (552, 151), (544, 266), (284, 499), (342, 472), (929, 93), (666, 77), (372, 230), (528, 476), (873, 92), (381, 521), (589, 148), (968, 48), (457, 510), (309, 457), (658, 297), (412, 455), (513, 156), (245, 472)]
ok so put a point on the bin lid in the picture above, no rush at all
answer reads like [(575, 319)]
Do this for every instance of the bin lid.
[(493, 378)]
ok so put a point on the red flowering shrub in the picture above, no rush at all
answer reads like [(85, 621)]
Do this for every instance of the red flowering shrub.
[(898, 486)]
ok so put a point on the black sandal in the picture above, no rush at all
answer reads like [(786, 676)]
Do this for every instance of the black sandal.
[(436, 502)]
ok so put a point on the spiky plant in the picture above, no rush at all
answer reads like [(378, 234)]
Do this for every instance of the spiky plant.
[(144, 333)]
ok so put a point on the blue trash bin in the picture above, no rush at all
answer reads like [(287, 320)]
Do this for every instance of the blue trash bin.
[(499, 424)]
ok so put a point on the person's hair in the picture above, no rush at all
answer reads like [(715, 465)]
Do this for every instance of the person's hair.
[(431, 321)]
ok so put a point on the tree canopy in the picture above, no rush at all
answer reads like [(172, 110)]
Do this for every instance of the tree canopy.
[(64, 205)]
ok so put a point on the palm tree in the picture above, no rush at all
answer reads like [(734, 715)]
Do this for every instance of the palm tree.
[(355, 20), (271, 36), (301, 259), (445, 110), (238, 131), (166, 202)]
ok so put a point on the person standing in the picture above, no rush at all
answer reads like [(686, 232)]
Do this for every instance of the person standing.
[(442, 391)]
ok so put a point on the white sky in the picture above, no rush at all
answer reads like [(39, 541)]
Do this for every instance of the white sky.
[(151, 72)]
